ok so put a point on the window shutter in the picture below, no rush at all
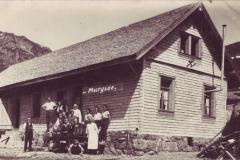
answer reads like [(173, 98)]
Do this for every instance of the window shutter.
[(213, 104), (199, 48), (203, 100), (188, 45), (171, 96), (159, 94)]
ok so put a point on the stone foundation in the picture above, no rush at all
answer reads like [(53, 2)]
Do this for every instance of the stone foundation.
[(127, 142)]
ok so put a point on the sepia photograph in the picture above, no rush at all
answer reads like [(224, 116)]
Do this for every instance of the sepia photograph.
[(119, 80)]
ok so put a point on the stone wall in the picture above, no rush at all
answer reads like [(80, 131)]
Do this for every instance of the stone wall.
[(130, 142), (125, 142)]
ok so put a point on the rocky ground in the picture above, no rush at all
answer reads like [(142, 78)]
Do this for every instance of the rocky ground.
[(16, 154)]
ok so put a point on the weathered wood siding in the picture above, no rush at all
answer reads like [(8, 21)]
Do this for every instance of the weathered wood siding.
[(187, 119), (123, 104)]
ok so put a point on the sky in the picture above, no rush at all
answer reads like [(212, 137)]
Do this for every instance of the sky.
[(58, 23)]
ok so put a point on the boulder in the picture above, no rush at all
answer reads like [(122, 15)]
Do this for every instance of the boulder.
[(152, 145), (119, 151), (151, 153), (112, 149), (140, 144), (139, 153), (169, 146)]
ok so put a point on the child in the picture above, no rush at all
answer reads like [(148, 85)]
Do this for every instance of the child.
[(75, 148), (77, 113), (28, 135)]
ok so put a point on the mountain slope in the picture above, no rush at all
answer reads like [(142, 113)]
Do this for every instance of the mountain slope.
[(14, 49)]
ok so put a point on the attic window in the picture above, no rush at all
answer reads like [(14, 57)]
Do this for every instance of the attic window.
[(190, 45)]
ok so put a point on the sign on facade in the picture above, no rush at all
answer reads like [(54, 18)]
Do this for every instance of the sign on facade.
[(102, 89)]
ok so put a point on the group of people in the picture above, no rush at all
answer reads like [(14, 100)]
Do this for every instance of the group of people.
[(69, 131)]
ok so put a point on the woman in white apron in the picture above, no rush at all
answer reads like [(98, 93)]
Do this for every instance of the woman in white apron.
[(92, 133)]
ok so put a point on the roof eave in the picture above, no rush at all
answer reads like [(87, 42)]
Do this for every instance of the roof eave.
[(121, 60)]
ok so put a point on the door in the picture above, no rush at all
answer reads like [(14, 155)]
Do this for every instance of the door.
[(16, 113)]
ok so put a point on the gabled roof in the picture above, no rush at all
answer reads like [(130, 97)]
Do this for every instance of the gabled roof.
[(127, 42)]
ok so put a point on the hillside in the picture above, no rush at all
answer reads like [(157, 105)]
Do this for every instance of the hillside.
[(14, 49)]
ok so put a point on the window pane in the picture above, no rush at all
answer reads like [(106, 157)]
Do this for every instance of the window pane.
[(165, 90), (208, 98), (195, 46), (184, 38)]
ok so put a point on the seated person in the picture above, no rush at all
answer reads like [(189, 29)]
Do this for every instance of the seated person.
[(75, 148), (57, 132), (78, 129), (48, 135), (57, 123), (65, 131), (71, 117)]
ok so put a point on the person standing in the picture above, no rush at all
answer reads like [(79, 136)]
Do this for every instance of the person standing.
[(97, 117), (92, 134), (28, 135), (105, 123), (77, 113), (59, 108), (89, 114), (49, 107)]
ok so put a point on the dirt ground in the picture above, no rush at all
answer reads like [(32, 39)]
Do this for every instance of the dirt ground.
[(16, 154)]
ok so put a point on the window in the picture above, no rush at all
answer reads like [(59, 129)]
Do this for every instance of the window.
[(166, 93), (190, 45), (209, 102), (36, 105)]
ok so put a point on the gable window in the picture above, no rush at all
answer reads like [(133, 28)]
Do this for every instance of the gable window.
[(36, 105), (190, 45), (209, 102), (166, 93)]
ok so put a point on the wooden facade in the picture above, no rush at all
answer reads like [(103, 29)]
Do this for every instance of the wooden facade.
[(123, 100), (187, 118)]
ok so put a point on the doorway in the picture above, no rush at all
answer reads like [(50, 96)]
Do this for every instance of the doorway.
[(16, 113)]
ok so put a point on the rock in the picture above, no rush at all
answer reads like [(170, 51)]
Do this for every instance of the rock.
[(152, 145), (140, 144), (122, 145), (139, 153), (119, 152), (188, 149), (112, 148), (151, 153), (169, 146), (107, 150), (181, 145)]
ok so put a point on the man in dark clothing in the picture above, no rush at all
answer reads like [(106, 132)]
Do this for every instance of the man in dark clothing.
[(28, 135)]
